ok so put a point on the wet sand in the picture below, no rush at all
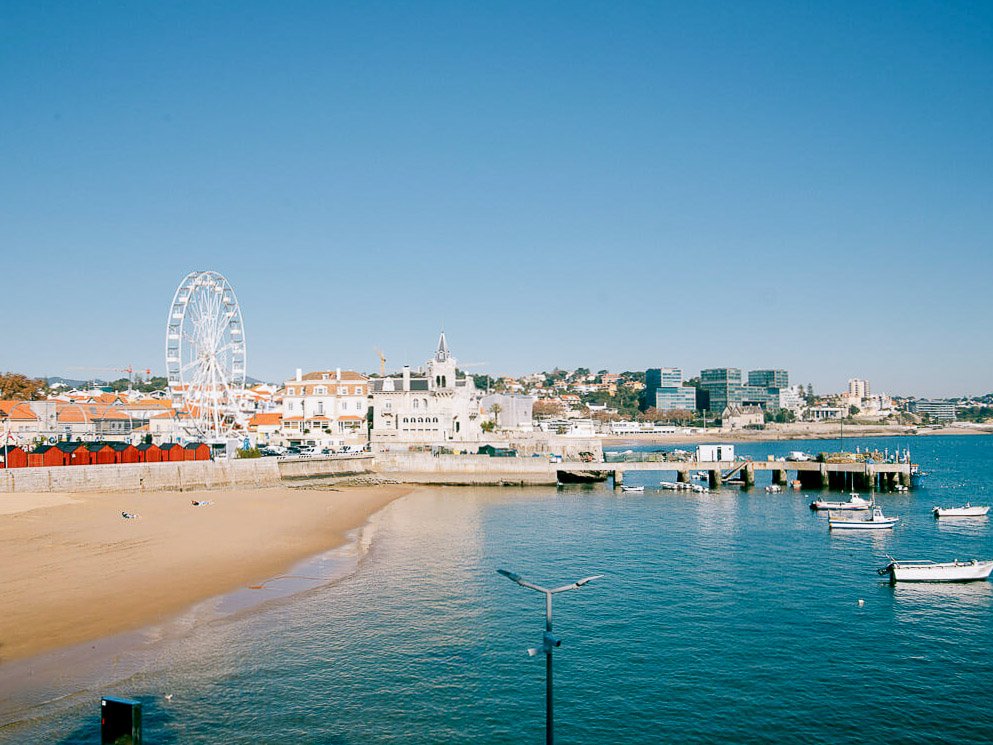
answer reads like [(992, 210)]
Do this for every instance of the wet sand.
[(72, 569)]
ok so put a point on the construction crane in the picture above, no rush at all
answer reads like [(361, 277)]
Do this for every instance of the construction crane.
[(130, 370), (382, 361)]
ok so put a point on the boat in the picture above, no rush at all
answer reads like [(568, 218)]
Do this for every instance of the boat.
[(855, 503), (917, 476), (774, 489), (625, 488), (967, 511), (933, 571), (876, 521)]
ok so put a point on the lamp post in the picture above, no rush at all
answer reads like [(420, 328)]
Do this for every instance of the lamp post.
[(549, 641)]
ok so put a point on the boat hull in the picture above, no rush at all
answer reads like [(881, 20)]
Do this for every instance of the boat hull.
[(957, 571), (960, 511), (861, 524)]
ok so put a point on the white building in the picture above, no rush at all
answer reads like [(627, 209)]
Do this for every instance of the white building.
[(325, 408), (434, 406)]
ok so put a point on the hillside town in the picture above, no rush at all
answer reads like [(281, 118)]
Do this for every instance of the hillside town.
[(437, 404)]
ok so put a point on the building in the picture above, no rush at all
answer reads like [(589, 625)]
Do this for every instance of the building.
[(325, 408), (741, 417), (769, 378), (434, 406), (943, 411), (665, 391), (510, 411), (724, 386), (858, 388)]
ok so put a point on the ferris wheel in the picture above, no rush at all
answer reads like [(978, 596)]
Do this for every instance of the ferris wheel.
[(205, 354)]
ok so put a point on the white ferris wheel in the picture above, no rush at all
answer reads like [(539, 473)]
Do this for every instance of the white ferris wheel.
[(205, 354)]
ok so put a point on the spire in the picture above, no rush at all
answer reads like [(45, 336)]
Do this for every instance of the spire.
[(442, 354)]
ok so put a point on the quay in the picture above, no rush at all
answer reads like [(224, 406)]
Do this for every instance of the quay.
[(811, 474)]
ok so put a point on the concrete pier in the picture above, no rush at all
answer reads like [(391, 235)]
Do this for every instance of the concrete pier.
[(748, 475)]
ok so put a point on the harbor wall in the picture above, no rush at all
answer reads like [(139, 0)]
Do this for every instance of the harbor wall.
[(424, 468), (180, 476)]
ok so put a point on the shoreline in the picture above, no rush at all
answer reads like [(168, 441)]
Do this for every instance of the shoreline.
[(811, 431), (78, 572)]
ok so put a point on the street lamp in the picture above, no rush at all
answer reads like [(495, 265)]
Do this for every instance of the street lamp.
[(549, 641)]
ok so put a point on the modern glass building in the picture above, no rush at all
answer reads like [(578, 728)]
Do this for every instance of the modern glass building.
[(658, 378), (943, 410), (673, 398), (769, 378), (724, 386)]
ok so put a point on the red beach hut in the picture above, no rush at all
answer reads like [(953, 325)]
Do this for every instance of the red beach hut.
[(13, 457), (149, 453), (172, 451), (76, 453), (124, 452), (48, 456), (101, 453), (197, 451)]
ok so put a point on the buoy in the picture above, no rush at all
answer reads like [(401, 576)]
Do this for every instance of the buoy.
[(168, 697), (861, 602)]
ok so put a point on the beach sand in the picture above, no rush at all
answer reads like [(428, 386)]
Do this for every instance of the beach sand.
[(72, 569)]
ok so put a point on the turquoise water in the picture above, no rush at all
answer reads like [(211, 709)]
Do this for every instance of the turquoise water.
[(723, 617)]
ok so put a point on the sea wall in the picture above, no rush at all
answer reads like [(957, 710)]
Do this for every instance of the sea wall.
[(424, 468), (184, 476)]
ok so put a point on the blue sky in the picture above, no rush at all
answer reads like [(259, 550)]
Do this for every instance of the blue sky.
[(612, 185)]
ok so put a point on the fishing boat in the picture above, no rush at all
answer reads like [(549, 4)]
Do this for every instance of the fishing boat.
[(933, 571), (625, 488), (917, 476), (967, 511), (876, 521), (855, 503)]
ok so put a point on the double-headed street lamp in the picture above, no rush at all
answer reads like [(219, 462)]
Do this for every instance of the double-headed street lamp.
[(549, 641)]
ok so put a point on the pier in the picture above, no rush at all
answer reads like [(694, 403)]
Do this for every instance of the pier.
[(811, 474)]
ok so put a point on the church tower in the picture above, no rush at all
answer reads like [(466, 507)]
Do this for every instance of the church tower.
[(441, 369)]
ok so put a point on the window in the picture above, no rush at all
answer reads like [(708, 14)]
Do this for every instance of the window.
[(416, 403), (358, 390), (321, 390), (291, 391), (388, 405), (342, 390)]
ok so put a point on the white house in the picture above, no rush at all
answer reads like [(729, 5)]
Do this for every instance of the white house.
[(434, 406)]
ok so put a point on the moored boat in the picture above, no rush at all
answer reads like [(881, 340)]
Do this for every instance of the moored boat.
[(876, 521), (933, 571), (967, 511), (855, 503), (626, 488)]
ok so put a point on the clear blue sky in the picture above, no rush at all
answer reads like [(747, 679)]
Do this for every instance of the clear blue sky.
[(612, 185)]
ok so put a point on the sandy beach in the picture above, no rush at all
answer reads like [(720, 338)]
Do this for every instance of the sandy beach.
[(74, 569)]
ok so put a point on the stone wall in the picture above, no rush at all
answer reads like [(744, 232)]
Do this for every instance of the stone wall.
[(184, 476)]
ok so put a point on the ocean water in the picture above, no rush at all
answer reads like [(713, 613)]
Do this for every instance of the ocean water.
[(729, 617)]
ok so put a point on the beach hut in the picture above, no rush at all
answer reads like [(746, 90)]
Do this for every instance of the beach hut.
[(101, 453), (149, 453), (48, 456), (124, 452), (172, 451), (197, 451), (13, 457), (76, 453)]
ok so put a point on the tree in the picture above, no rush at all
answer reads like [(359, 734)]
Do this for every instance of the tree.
[(681, 415), (606, 416), (853, 410), (652, 414), (18, 387), (495, 410), (547, 407), (487, 426)]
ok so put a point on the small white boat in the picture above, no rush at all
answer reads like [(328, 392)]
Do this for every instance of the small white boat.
[(774, 489), (632, 488), (855, 503), (932, 571), (967, 511), (876, 521)]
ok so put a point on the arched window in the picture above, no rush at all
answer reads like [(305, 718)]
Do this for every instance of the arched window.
[(405, 420), (416, 403), (435, 420)]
